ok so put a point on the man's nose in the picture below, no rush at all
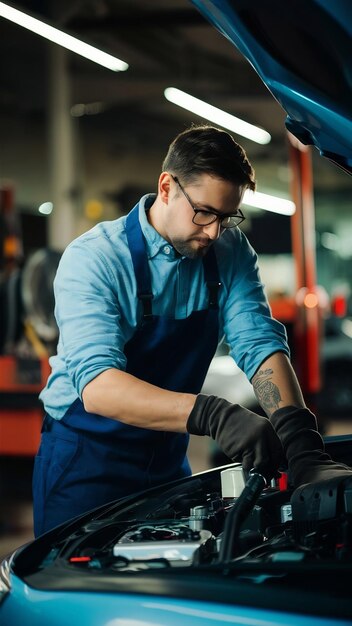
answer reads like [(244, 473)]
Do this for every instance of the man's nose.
[(213, 229)]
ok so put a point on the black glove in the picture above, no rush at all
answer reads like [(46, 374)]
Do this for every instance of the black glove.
[(240, 433), (304, 447)]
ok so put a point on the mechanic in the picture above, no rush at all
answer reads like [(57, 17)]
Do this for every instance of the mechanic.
[(141, 305)]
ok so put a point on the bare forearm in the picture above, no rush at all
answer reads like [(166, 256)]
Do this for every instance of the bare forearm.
[(275, 384), (121, 396)]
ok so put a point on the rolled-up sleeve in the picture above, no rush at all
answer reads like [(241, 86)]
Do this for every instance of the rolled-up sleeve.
[(88, 314), (250, 330)]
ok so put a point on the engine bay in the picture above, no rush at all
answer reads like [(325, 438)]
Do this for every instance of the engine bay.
[(311, 523), (208, 520), (228, 539)]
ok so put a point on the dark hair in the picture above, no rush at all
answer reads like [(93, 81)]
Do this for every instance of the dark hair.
[(208, 150)]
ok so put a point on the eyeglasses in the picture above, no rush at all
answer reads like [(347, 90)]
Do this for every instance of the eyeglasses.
[(203, 217)]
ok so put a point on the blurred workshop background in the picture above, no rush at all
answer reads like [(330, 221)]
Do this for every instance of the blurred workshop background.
[(80, 142)]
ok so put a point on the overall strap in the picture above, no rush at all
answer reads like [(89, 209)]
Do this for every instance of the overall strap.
[(137, 248), (140, 261), (211, 274)]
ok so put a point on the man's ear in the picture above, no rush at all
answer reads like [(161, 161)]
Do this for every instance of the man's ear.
[(164, 186)]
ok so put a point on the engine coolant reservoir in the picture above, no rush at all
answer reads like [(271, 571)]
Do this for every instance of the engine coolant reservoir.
[(232, 482)]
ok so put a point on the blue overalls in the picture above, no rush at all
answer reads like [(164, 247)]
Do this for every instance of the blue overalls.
[(85, 459)]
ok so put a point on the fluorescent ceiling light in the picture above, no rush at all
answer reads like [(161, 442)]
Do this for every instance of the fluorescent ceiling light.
[(46, 208), (62, 39), (213, 114), (269, 203)]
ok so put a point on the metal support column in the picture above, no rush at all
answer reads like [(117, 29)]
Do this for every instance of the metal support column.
[(61, 141)]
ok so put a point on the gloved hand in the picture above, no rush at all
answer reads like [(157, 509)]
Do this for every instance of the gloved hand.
[(304, 447), (240, 433)]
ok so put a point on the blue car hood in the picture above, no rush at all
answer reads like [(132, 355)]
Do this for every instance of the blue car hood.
[(302, 50)]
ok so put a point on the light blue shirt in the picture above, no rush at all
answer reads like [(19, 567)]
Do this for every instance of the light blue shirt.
[(97, 309)]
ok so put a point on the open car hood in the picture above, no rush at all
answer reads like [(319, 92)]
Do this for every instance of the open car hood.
[(302, 51)]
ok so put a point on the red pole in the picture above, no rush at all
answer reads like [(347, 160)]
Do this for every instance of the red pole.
[(309, 298)]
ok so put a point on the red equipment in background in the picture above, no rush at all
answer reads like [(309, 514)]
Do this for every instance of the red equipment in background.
[(24, 370), (20, 414)]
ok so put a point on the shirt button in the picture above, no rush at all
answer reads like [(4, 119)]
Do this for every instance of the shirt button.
[(167, 249)]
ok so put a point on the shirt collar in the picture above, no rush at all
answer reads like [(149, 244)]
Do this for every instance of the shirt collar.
[(155, 242)]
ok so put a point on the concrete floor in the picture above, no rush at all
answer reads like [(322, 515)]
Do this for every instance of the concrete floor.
[(15, 489)]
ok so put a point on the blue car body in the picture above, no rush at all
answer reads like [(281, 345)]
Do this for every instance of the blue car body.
[(99, 609)]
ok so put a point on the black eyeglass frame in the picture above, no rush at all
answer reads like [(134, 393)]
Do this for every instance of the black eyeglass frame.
[(239, 215)]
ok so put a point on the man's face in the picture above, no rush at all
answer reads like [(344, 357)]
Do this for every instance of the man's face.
[(207, 193)]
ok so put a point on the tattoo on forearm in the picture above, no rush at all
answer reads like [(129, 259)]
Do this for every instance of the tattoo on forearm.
[(266, 391)]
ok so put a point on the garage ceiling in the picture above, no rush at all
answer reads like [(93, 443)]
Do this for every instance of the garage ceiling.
[(165, 43)]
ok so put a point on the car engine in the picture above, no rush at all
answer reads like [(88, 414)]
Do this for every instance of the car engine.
[(244, 521)]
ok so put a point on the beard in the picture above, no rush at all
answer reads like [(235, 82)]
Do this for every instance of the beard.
[(185, 248)]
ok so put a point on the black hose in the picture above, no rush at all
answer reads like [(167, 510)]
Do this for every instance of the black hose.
[(240, 510)]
